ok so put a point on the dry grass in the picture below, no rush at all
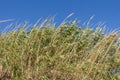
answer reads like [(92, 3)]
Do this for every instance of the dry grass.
[(68, 52)]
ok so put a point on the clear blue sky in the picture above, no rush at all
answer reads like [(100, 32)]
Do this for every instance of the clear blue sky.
[(31, 10)]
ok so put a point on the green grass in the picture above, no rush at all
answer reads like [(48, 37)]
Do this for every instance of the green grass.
[(68, 52)]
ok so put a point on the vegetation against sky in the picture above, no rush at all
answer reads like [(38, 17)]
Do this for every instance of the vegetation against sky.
[(68, 52)]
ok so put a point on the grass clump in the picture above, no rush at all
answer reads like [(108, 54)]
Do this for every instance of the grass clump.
[(68, 52)]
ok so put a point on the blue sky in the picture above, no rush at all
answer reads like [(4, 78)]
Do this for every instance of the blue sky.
[(107, 11)]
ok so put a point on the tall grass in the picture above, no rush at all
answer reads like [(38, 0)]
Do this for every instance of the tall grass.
[(68, 52)]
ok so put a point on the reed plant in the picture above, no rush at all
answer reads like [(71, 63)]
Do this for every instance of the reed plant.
[(66, 52)]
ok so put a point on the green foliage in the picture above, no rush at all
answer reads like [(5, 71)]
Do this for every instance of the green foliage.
[(68, 52)]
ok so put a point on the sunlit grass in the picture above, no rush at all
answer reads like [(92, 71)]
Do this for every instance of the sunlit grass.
[(68, 52)]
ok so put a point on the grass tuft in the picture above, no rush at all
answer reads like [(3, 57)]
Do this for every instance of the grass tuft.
[(68, 52)]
